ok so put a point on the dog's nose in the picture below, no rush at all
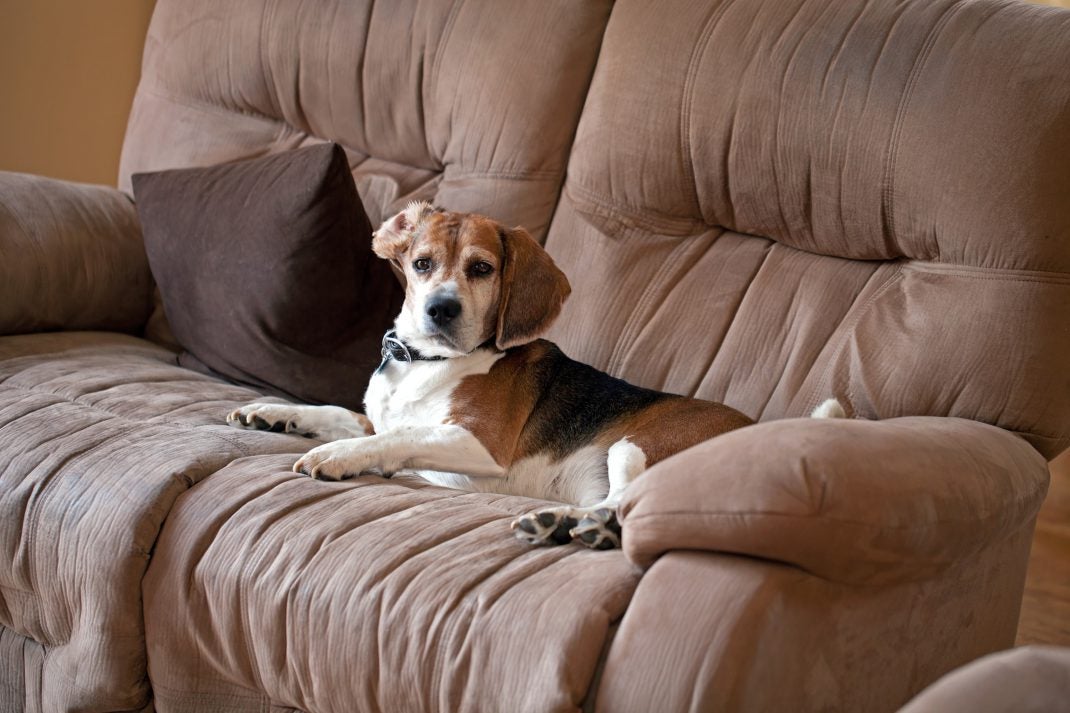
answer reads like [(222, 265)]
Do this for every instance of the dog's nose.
[(442, 310)]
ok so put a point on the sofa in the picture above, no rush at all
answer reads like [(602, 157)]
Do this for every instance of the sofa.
[(1028, 679), (766, 203)]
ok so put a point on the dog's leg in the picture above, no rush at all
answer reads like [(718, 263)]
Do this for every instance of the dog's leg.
[(599, 529), (447, 448), (595, 526), (325, 423)]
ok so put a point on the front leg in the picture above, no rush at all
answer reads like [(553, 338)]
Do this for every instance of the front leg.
[(325, 423), (448, 448)]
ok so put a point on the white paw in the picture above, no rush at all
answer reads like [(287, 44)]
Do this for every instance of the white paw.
[(340, 459), (280, 418), (326, 423)]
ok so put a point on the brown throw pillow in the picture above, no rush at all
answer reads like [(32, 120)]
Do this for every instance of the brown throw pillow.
[(267, 273)]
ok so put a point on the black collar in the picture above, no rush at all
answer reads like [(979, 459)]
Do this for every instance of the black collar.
[(394, 348)]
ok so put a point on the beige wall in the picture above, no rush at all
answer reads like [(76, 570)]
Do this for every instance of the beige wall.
[(68, 69)]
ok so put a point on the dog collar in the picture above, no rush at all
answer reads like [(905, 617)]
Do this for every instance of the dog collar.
[(394, 348)]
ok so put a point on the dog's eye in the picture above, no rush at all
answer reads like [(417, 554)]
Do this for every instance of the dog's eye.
[(481, 268), (422, 265)]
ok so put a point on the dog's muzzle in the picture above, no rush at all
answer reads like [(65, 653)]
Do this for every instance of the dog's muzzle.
[(442, 310)]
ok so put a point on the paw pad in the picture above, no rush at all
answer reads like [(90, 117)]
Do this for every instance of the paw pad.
[(547, 527), (598, 530)]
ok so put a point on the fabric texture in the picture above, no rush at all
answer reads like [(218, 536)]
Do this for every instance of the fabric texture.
[(746, 634), (470, 105), (850, 501), (865, 201), (370, 595), (1031, 679), (71, 257), (267, 273), (99, 433), (767, 203)]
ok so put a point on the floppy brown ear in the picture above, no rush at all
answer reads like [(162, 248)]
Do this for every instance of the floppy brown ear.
[(532, 292)]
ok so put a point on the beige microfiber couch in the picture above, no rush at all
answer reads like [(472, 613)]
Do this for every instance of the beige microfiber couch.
[(765, 202)]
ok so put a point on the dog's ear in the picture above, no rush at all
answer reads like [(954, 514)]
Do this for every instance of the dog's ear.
[(532, 290), (395, 235)]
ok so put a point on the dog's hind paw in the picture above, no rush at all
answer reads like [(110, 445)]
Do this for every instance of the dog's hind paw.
[(599, 529), (545, 527)]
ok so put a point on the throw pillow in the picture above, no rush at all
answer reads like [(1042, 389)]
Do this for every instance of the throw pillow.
[(267, 274)]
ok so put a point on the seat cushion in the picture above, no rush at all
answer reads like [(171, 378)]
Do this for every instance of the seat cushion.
[(98, 434), (271, 589)]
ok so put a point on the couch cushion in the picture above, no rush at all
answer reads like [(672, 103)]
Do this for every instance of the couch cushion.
[(860, 200), (98, 435), (269, 588), (267, 272), (71, 257), (472, 104)]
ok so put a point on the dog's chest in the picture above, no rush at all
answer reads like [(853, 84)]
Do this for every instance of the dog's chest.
[(407, 394)]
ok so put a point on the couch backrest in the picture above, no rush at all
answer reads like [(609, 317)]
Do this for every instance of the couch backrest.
[(769, 202), (776, 201), (470, 104)]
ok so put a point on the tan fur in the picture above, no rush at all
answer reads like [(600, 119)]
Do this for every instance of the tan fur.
[(518, 410), (532, 292), (495, 406), (498, 408), (670, 426), (512, 305)]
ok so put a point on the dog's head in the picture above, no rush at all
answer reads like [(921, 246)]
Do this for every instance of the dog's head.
[(469, 279)]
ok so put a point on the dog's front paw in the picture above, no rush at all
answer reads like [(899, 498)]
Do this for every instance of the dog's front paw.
[(279, 418), (337, 460), (545, 527), (598, 529)]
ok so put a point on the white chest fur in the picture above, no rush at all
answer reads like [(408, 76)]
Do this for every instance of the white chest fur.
[(409, 394), (406, 395)]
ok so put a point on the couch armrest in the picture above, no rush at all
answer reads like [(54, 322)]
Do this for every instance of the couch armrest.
[(73, 257), (849, 501)]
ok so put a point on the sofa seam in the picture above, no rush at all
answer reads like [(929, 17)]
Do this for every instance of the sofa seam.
[(892, 154), (698, 50), (661, 221), (638, 314), (700, 514), (211, 107), (849, 323), (129, 422), (520, 175), (1002, 274)]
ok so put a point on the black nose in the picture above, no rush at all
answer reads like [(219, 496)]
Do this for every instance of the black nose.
[(442, 310)]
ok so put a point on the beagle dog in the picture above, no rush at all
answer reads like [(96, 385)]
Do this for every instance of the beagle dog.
[(468, 397)]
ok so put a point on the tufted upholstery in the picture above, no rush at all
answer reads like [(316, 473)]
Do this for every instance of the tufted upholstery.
[(785, 137), (766, 202), (470, 104)]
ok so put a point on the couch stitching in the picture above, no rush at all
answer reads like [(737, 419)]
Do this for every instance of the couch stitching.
[(892, 154), (845, 328), (994, 273), (688, 100), (651, 220), (812, 517), (638, 313), (733, 320), (208, 107)]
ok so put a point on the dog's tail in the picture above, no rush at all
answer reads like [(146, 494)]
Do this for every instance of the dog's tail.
[(830, 408)]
